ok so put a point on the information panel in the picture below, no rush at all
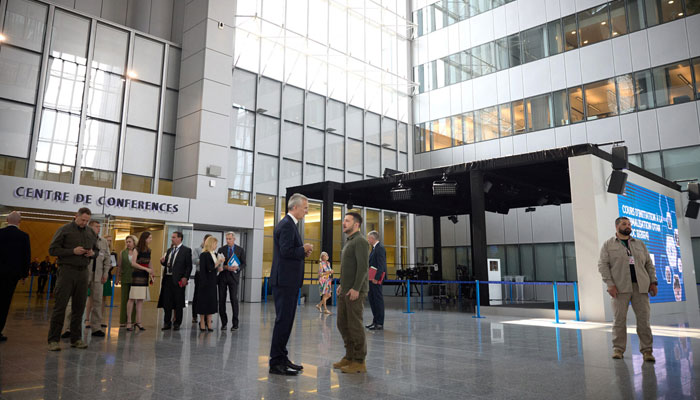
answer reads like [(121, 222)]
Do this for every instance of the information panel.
[(653, 218)]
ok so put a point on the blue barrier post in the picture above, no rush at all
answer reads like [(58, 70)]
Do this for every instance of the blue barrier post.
[(31, 284), (111, 307), (576, 301), (421, 293), (408, 297), (299, 298), (556, 303), (478, 303), (335, 293), (48, 288), (265, 289)]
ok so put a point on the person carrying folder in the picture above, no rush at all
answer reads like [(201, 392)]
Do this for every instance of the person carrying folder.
[(229, 279), (377, 273)]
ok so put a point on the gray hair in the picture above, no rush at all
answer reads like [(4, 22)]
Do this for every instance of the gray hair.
[(296, 200), (374, 234), (230, 233), (323, 253)]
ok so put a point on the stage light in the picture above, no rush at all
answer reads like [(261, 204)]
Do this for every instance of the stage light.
[(349, 203), (453, 218), (401, 192), (444, 187), (487, 186), (693, 191), (618, 181), (541, 201)]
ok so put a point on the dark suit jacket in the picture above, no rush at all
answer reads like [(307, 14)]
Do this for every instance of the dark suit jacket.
[(15, 253), (227, 276), (377, 259), (182, 264), (288, 255)]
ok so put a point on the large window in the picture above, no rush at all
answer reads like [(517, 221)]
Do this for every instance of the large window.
[(593, 25), (601, 100), (539, 113), (673, 84)]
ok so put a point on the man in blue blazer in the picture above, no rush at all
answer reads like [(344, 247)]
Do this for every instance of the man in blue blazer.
[(286, 278), (15, 258), (377, 260)]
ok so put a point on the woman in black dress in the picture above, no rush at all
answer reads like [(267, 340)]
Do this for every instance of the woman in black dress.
[(210, 264), (140, 277)]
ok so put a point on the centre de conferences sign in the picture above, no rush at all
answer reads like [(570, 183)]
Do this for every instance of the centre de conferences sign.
[(31, 193)]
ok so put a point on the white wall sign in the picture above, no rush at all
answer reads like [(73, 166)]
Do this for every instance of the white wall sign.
[(31, 193)]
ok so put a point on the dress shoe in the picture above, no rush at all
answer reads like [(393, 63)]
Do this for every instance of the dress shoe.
[(617, 355), (376, 327), (3, 338), (223, 327), (369, 326), (342, 363), (354, 368), (98, 334), (281, 369), (65, 335), (176, 327), (297, 367), (166, 327), (648, 356), (234, 328), (54, 346), (79, 344)]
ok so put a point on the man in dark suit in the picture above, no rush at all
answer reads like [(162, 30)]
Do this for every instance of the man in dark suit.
[(377, 260), (178, 266), (15, 257), (229, 279), (286, 278)]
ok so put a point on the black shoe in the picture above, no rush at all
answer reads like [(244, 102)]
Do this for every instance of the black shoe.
[(223, 327), (98, 333), (294, 366), (376, 327), (194, 320), (176, 327), (370, 326), (3, 338), (234, 328), (166, 327), (283, 370), (65, 335)]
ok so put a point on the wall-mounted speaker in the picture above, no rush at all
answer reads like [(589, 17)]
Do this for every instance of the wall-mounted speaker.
[(619, 158), (618, 180), (692, 210)]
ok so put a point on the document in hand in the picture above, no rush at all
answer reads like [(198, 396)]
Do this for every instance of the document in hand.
[(373, 275), (234, 261)]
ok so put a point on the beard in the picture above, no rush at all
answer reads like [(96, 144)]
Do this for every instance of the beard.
[(626, 231)]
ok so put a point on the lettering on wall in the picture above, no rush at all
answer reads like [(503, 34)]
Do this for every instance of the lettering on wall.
[(81, 199)]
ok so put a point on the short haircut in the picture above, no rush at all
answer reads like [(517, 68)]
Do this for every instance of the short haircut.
[(357, 217), (94, 222), (230, 233), (205, 238), (297, 199), (620, 219), (210, 244), (178, 234), (142, 246), (84, 210), (374, 234)]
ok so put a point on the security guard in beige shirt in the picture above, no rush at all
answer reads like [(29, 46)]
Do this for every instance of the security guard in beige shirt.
[(627, 269)]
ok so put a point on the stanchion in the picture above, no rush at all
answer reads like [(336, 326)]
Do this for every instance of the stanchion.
[(48, 288), (299, 298), (335, 293), (265, 289), (111, 307), (408, 298), (556, 303), (31, 284), (421, 293), (478, 304), (576, 301)]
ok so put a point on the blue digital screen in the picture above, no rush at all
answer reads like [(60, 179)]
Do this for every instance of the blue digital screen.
[(653, 218)]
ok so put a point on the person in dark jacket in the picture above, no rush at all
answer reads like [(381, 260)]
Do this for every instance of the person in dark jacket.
[(229, 279), (178, 266), (15, 256), (209, 265), (377, 261), (286, 278)]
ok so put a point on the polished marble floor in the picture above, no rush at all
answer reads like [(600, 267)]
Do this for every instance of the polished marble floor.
[(430, 354)]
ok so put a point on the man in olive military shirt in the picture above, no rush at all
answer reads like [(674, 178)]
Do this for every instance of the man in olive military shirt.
[(351, 293), (74, 244), (629, 274)]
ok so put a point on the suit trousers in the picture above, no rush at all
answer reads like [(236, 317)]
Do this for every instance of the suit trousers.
[(376, 303), (7, 289), (640, 305), (172, 293), (232, 287), (285, 310), (125, 289), (71, 283), (350, 327), (95, 317)]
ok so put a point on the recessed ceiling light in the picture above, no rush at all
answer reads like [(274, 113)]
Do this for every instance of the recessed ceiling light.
[(585, 42), (603, 23), (614, 33), (670, 2), (573, 32), (680, 14)]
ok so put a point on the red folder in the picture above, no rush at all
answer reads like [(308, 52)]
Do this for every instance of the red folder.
[(373, 274)]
